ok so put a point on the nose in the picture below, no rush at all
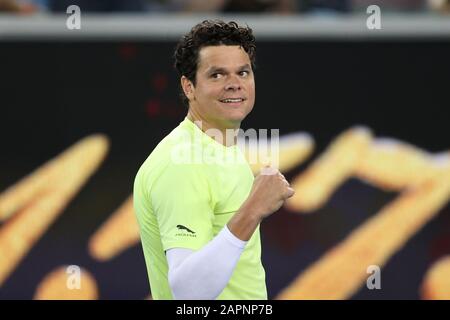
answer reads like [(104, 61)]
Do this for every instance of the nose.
[(233, 84)]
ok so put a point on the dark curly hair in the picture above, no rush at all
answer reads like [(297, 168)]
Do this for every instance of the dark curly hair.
[(210, 33)]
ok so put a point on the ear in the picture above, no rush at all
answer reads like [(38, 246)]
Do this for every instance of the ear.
[(188, 87)]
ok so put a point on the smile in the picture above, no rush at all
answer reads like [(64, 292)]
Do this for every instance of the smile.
[(232, 100)]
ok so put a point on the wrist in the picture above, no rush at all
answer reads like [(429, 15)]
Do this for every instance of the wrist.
[(244, 223), (250, 210)]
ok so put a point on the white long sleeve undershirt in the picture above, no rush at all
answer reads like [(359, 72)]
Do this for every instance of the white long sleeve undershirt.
[(203, 274)]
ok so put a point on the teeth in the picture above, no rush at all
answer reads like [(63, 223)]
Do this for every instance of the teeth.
[(232, 100)]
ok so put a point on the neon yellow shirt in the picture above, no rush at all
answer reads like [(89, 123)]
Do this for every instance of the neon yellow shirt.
[(184, 194)]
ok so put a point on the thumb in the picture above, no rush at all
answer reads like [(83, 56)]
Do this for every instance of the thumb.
[(290, 192)]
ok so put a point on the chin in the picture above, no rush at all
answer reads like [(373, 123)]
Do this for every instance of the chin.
[(235, 116), (235, 119)]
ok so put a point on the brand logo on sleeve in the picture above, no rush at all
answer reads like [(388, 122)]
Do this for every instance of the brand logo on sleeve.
[(186, 231)]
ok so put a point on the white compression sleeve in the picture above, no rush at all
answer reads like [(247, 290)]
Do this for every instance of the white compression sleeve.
[(203, 274)]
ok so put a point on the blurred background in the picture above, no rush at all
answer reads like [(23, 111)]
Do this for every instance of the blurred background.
[(320, 70)]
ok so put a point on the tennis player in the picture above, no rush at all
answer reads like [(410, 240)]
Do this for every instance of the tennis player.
[(197, 202)]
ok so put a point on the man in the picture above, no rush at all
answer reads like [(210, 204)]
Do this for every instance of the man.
[(199, 220)]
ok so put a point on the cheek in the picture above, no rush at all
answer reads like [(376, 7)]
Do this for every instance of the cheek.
[(251, 86), (209, 92), (251, 90)]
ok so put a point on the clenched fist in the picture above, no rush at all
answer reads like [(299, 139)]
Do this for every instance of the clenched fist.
[(270, 190)]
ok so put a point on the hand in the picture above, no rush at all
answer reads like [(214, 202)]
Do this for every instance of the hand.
[(270, 190)]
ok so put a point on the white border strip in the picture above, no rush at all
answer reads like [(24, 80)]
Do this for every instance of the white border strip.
[(169, 27)]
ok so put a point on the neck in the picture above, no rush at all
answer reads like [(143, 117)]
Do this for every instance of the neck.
[(205, 125)]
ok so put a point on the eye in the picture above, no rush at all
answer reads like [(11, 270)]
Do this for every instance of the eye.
[(216, 75), (244, 73)]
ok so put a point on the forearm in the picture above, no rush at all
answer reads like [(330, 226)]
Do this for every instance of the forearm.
[(205, 273), (245, 221)]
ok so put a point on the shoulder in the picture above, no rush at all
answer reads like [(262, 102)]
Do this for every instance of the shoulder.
[(171, 168)]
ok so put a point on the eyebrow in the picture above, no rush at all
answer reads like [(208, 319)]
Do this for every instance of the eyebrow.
[(214, 69)]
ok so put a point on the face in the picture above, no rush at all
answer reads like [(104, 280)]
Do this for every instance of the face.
[(224, 93)]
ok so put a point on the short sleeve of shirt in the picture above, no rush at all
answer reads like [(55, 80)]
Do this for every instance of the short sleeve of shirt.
[(181, 202)]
